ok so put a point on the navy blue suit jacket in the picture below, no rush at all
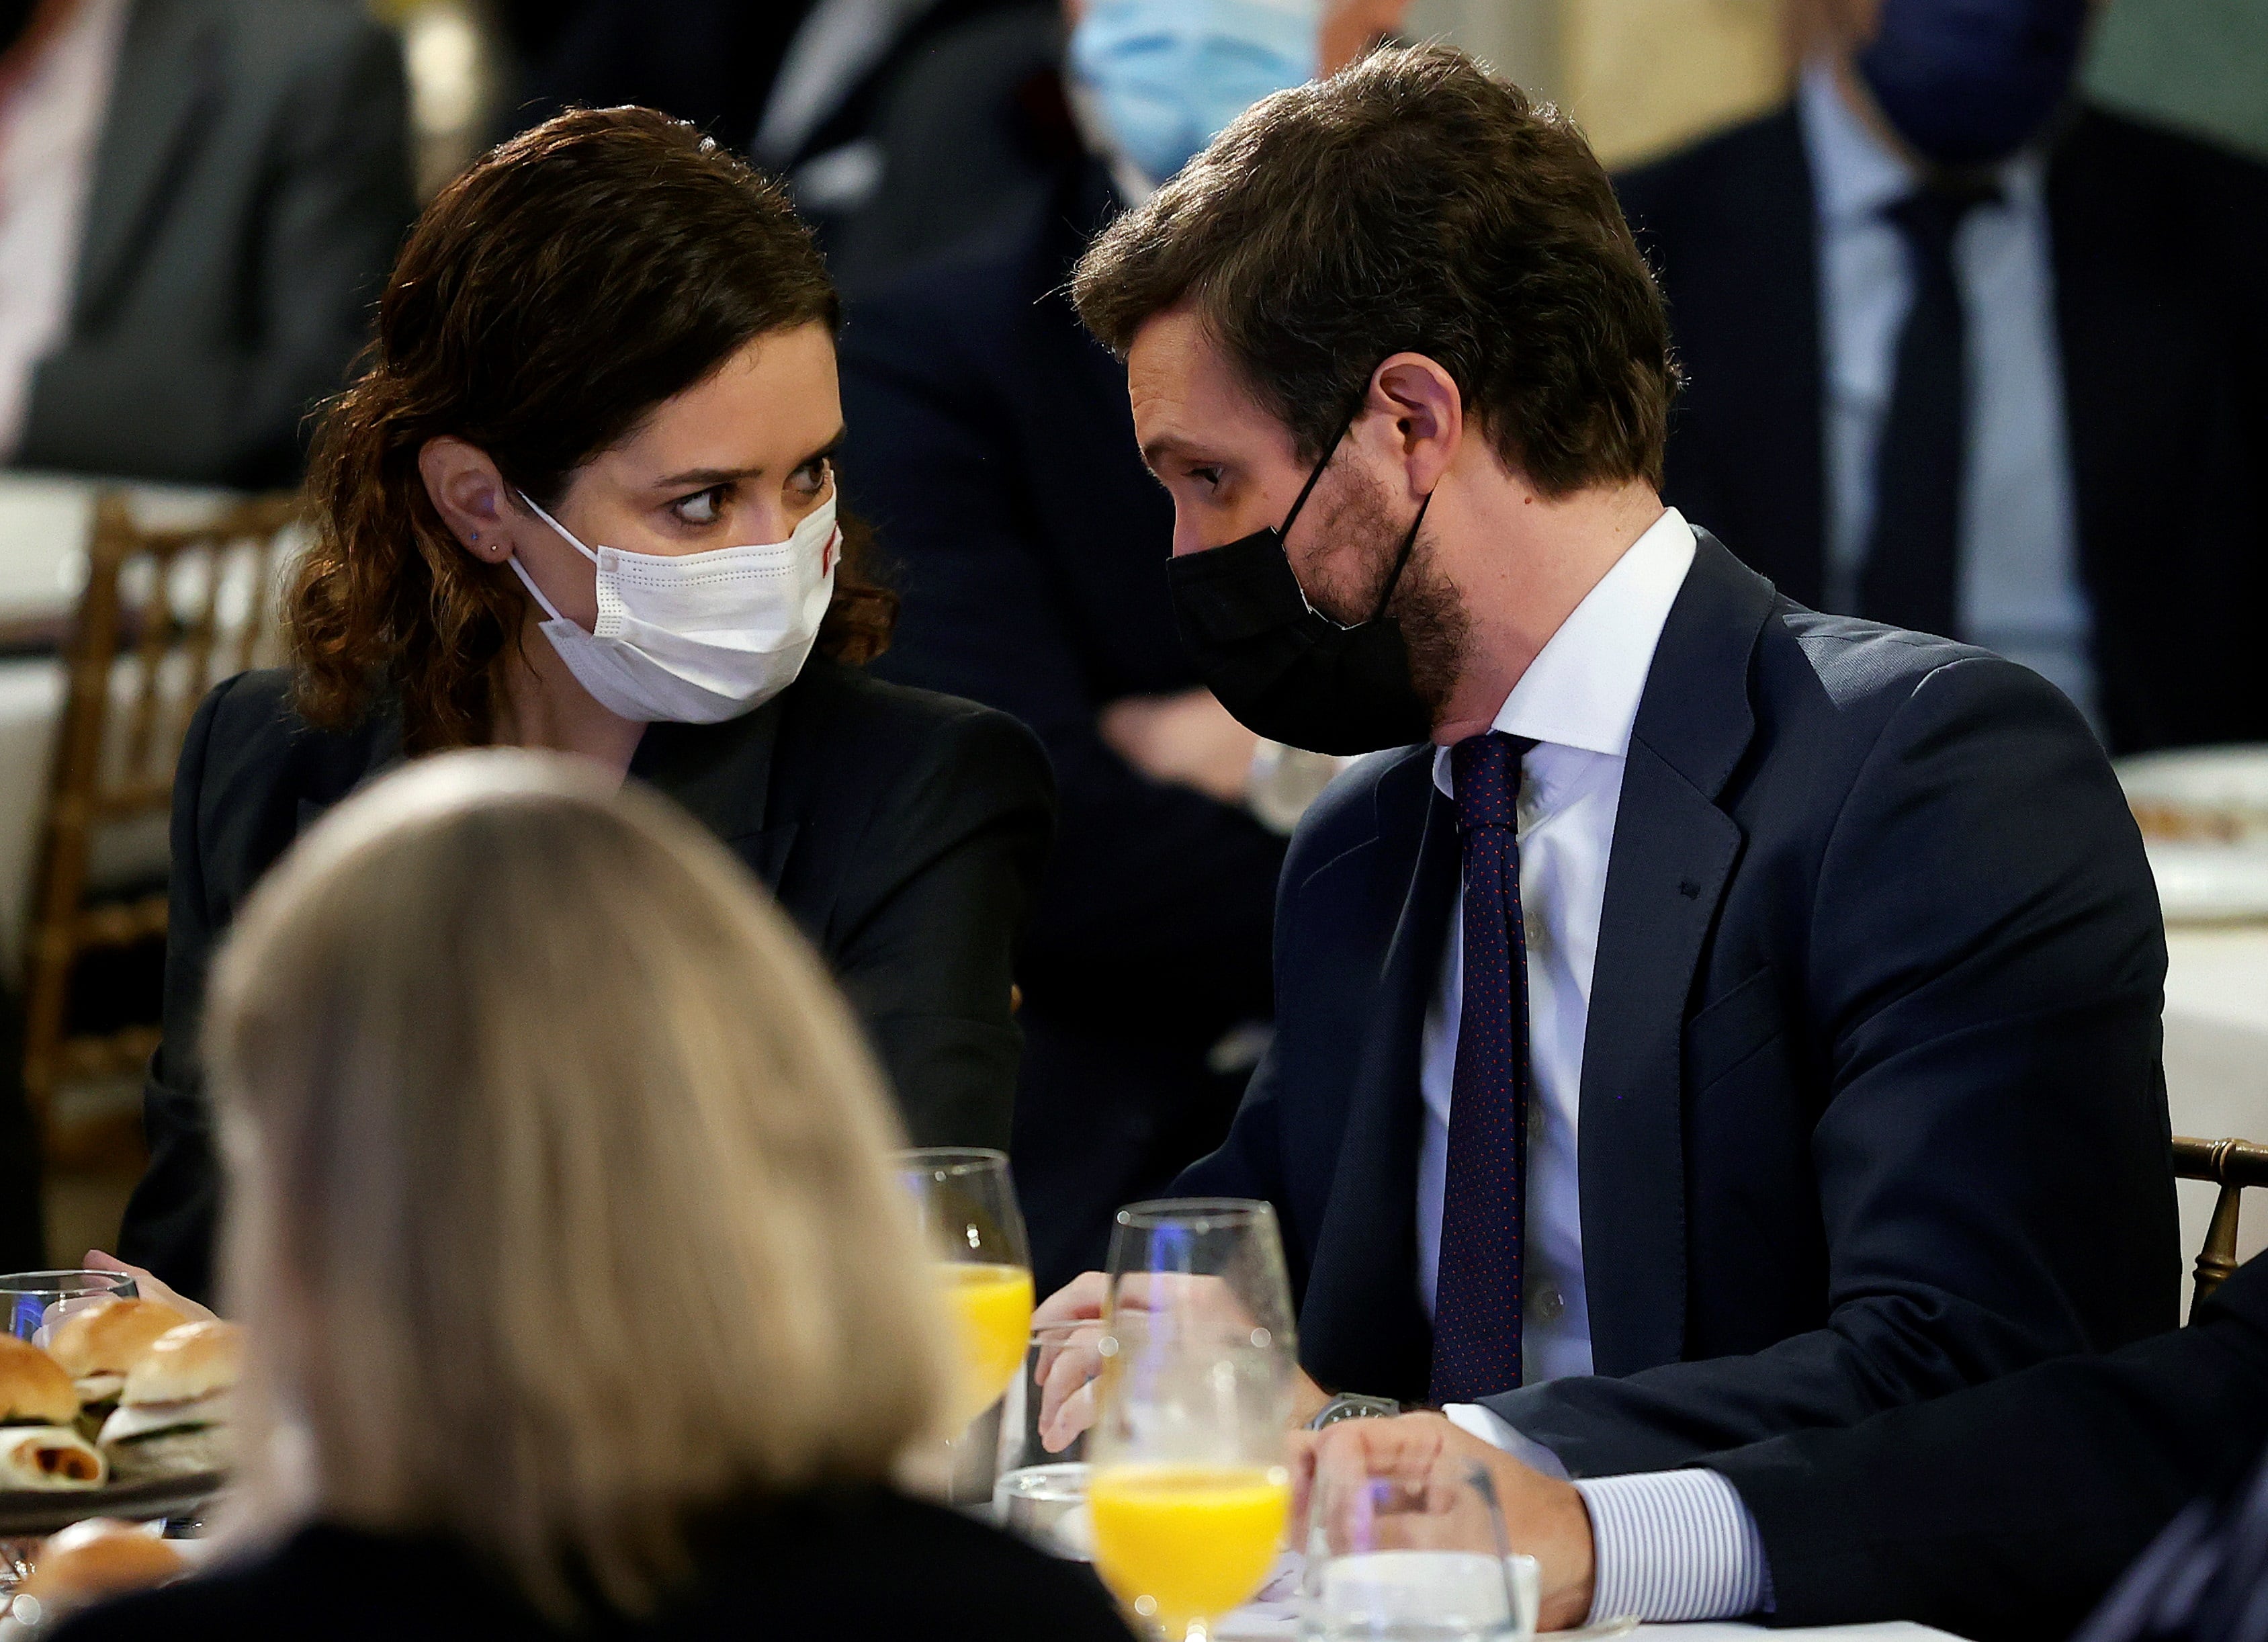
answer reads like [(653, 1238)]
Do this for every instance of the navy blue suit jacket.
[(2160, 246), (1871, 1104)]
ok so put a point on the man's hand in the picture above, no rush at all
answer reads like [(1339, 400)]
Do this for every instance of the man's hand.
[(1186, 739), (1543, 1517), (1070, 1322)]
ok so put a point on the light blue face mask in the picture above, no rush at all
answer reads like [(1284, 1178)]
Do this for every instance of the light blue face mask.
[(1169, 75)]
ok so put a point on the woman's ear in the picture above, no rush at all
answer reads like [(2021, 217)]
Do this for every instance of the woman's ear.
[(470, 495)]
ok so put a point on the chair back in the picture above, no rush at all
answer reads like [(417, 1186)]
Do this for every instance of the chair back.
[(164, 614), (2234, 1165)]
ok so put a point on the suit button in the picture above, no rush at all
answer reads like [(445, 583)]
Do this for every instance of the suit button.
[(1548, 1304)]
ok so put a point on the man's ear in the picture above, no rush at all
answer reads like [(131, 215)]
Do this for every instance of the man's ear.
[(1417, 415), (470, 495)]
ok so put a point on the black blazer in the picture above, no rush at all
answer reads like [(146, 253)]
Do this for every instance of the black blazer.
[(2005, 1512), (991, 444), (1871, 1106), (2159, 251), (903, 831), (867, 1564)]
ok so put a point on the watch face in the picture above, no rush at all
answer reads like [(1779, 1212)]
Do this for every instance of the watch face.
[(1348, 1405)]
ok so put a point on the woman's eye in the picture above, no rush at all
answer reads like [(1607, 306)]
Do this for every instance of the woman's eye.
[(706, 508), (1210, 477), (811, 478)]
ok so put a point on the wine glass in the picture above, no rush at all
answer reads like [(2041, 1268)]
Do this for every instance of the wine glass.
[(984, 1269), (1215, 1264), (1188, 1490), (1413, 1551), (31, 1302)]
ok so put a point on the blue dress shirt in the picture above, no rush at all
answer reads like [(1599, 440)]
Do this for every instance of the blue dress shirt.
[(2020, 591)]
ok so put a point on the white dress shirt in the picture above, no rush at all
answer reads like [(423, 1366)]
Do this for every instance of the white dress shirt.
[(1577, 700), (2020, 591), (50, 129)]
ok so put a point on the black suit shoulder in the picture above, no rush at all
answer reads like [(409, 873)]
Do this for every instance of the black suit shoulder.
[(914, 747), (807, 1568), (1687, 183)]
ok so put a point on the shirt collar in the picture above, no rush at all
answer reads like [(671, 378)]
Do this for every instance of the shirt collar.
[(1855, 176), (1583, 688)]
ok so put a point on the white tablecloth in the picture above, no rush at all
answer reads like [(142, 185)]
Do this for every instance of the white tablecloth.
[(2217, 1063)]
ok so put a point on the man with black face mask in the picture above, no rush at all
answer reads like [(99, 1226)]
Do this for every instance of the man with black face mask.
[(1970, 356), (1727, 1019)]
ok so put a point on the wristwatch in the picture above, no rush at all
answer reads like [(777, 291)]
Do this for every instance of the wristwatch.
[(1352, 1405)]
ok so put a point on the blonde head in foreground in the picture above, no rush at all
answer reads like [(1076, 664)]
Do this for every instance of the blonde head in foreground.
[(560, 1203)]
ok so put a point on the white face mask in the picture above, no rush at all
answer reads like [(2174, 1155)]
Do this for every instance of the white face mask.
[(700, 638)]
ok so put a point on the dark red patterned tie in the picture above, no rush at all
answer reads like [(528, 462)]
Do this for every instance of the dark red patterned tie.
[(1483, 1201)]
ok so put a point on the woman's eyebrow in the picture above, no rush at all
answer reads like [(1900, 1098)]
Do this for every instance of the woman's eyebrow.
[(703, 478)]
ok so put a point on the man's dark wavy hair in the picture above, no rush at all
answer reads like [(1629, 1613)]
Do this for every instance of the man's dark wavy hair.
[(1409, 202)]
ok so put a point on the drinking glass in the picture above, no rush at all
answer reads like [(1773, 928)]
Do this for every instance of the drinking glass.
[(1417, 1555), (1041, 1497), (31, 1302), (1214, 1264), (968, 1206), (1188, 1492)]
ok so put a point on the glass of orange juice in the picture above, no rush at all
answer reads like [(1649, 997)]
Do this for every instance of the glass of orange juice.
[(1189, 1493), (967, 1205)]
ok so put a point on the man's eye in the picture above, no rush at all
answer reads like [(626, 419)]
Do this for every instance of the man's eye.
[(1208, 476), (704, 508)]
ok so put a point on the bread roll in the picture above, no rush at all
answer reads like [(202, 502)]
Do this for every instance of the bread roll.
[(91, 1560), (47, 1458), (193, 1360), (97, 1345), (35, 1390)]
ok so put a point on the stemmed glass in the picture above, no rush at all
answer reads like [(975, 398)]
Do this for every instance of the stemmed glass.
[(1411, 1551), (968, 1206), (1189, 1491)]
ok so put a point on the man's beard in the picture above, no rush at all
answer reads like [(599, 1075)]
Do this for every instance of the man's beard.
[(1426, 605)]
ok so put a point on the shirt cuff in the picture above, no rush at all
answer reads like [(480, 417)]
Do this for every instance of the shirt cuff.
[(1670, 1546)]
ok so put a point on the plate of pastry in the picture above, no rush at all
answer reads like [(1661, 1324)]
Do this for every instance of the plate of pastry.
[(122, 1411)]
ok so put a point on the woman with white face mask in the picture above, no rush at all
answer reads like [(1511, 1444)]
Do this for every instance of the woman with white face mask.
[(582, 498)]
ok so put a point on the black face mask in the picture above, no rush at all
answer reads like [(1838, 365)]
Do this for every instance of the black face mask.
[(1283, 670), (15, 18)]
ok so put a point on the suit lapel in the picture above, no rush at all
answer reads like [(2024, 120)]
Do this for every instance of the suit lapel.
[(722, 774), (1673, 850), (166, 86), (1362, 1327)]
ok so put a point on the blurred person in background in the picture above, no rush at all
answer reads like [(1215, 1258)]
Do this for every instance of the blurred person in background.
[(578, 1295), (198, 203), (605, 365), (1970, 356), (794, 83), (990, 440)]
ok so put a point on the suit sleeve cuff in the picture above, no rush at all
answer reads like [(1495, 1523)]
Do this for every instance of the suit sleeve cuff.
[(1671, 1546)]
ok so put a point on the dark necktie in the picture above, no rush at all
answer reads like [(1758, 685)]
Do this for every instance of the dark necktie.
[(1911, 574), (1476, 1293)]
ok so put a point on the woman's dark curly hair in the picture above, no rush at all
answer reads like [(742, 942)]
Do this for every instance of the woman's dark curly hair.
[(546, 301)]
